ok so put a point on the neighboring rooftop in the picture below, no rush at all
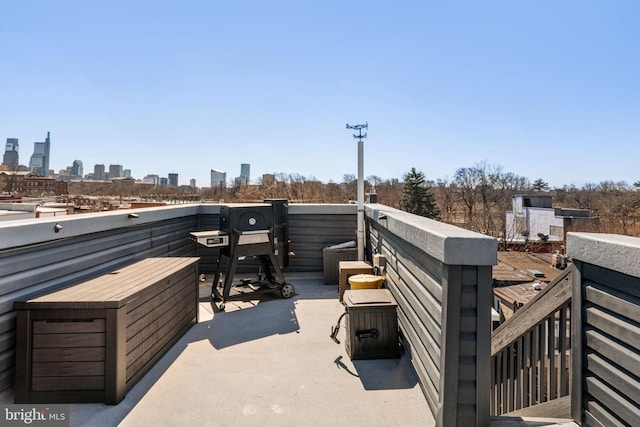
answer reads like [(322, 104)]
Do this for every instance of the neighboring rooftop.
[(518, 267)]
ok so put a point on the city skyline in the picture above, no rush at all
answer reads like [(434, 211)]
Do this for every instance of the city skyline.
[(115, 169), (544, 90)]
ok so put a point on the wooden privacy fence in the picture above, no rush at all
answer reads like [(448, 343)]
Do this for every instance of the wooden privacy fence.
[(530, 353)]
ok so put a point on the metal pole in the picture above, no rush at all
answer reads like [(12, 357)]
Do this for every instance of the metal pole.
[(360, 216)]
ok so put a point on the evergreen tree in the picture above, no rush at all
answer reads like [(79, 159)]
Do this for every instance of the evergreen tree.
[(417, 197), (540, 185)]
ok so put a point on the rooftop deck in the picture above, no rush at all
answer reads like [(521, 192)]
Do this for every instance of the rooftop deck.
[(270, 362)]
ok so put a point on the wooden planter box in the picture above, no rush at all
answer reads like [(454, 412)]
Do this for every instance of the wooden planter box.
[(93, 341)]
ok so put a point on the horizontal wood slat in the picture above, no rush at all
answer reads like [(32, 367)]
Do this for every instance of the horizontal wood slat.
[(68, 340), (67, 369), (71, 354), (60, 327), (76, 384)]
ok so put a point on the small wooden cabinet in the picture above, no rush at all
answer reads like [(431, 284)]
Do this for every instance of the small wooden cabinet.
[(93, 341), (372, 324)]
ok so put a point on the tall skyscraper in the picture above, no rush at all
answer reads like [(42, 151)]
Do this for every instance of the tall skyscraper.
[(77, 169), (10, 157), (39, 162), (173, 179), (47, 154), (245, 175), (218, 178)]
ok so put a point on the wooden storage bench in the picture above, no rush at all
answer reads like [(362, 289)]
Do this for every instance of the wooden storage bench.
[(93, 341)]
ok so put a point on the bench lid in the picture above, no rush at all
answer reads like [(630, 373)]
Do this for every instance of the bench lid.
[(114, 289)]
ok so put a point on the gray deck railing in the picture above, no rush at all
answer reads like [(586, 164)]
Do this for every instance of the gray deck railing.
[(530, 351), (605, 386), (440, 276), (35, 259)]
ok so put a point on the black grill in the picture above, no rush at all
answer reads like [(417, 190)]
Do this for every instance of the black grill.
[(251, 232), (246, 218)]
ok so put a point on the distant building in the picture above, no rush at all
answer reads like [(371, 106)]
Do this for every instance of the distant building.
[(10, 157), (65, 174), (245, 173), (47, 153), (164, 181), (192, 183), (39, 162), (126, 173), (77, 169), (151, 179), (115, 171), (12, 182), (268, 179), (98, 173), (43, 186), (36, 163), (173, 179), (122, 184), (218, 178), (533, 218)]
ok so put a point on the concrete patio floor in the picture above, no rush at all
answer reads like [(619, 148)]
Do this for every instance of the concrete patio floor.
[(270, 362)]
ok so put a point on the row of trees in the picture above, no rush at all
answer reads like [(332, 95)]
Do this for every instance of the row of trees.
[(476, 198)]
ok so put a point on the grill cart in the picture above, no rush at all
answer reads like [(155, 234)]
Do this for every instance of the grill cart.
[(246, 230)]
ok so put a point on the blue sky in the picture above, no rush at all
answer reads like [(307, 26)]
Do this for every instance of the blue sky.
[(543, 89)]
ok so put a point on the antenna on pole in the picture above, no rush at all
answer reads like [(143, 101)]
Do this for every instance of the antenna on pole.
[(360, 217), (359, 128)]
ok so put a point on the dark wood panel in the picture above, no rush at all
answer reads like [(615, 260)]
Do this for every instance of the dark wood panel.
[(68, 340), (160, 310), (160, 342), (67, 384), (85, 354), (60, 327), (158, 330), (185, 278), (67, 369)]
